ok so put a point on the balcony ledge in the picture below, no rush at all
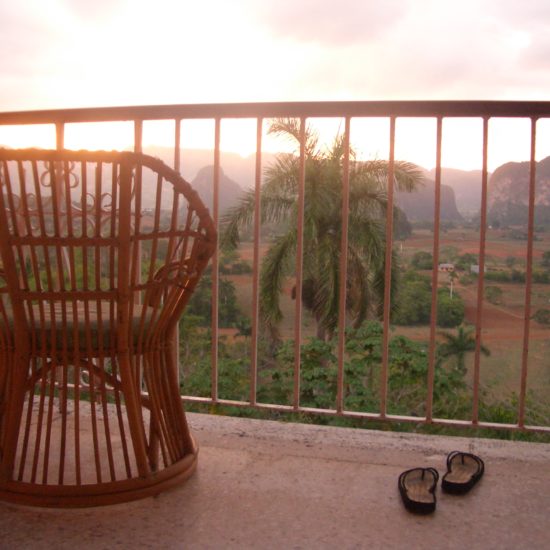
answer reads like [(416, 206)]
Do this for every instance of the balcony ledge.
[(263, 484)]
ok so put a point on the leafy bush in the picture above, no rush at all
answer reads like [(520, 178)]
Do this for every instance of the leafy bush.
[(200, 303), (516, 276), (450, 311), (493, 294), (541, 277), (464, 261), (413, 305), (422, 260), (542, 316)]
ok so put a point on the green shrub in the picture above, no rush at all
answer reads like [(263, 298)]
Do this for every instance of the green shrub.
[(450, 311), (413, 305), (542, 316), (493, 294), (422, 260)]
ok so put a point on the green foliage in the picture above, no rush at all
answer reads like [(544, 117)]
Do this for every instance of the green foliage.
[(414, 304), (516, 276), (407, 380), (541, 277), (422, 260), (232, 264), (545, 262), (408, 368), (244, 326), (511, 261), (402, 228), (464, 261), (493, 294), (200, 304), (457, 345), (322, 228), (450, 311), (542, 316)]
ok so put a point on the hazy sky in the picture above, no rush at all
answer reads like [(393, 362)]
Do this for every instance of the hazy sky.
[(65, 53), (80, 53)]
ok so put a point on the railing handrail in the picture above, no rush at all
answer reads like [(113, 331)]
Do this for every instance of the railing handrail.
[(440, 108)]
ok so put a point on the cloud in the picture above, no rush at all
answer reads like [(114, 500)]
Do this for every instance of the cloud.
[(73, 53), (325, 22), (438, 51)]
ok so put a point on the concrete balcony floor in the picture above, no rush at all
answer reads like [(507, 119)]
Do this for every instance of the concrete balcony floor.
[(265, 484)]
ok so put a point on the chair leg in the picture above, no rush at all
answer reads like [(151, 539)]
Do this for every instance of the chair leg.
[(14, 399), (134, 414)]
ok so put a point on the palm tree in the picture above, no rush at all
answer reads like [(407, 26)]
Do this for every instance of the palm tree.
[(458, 345), (322, 228)]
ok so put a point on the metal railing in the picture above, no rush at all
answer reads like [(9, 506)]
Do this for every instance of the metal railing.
[(484, 111)]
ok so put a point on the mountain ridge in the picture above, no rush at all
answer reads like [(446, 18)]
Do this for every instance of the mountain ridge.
[(460, 189)]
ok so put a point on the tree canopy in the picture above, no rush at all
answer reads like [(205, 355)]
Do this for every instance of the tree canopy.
[(368, 181)]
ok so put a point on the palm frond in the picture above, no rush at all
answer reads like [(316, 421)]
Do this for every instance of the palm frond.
[(273, 208), (236, 218), (290, 128), (276, 266), (407, 176)]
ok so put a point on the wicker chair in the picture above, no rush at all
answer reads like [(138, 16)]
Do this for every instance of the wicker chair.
[(101, 252)]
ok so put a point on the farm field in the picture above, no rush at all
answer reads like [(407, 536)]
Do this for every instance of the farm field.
[(503, 324)]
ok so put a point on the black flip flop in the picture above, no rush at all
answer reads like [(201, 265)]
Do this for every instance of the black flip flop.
[(464, 470), (417, 488)]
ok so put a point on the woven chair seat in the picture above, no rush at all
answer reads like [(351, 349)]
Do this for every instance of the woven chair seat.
[(52, 326)]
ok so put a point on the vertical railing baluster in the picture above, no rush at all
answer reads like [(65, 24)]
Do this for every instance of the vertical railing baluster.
[(387, 274), (343, 268), (528, 275), (215, 262), (138, 136), (481, 275), (177, 166), (299, 264), (138, 255), (59, 135), (256, 265), (435, 274)]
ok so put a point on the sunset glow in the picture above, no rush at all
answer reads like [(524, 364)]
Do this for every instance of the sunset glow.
[(65, 54)]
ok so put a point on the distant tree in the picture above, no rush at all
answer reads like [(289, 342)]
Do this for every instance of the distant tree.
[(464, 261), (450, 310), (541, 277), (511, 261), (415, 298), (517, 276), (542, 316), (422, 260), (545, 259), (402, 228), (201, 302), (244, 327), (493, 294), (458, 345)]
